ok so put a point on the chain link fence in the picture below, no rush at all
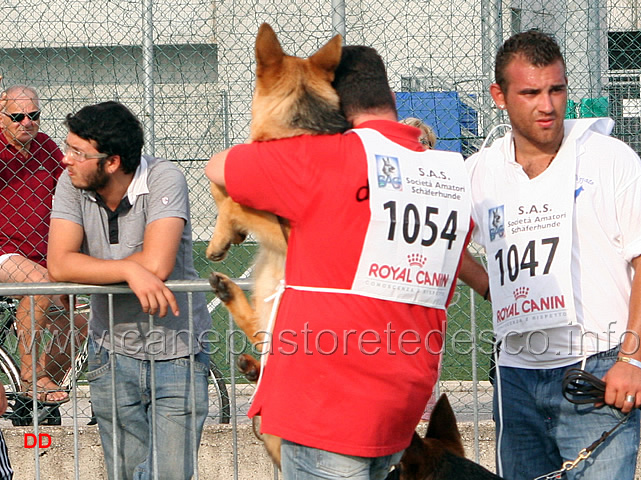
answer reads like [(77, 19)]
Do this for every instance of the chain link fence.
[(185, 67)]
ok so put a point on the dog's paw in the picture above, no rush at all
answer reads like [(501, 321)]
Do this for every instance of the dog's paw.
[(220, 284), (217, 254), (249, 366)]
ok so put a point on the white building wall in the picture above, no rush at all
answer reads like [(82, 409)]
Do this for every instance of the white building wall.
[(437, 42)]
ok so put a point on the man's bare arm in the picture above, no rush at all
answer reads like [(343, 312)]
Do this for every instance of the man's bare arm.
[(473, 273), (215, 168), (67, 264), (624, 378)]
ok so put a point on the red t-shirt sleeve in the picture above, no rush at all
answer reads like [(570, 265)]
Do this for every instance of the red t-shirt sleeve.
[(275, 176)]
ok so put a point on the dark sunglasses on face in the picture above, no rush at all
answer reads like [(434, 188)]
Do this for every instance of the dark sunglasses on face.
[(19, 117)]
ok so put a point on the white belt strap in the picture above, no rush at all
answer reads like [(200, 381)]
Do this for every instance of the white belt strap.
[(276, 298)]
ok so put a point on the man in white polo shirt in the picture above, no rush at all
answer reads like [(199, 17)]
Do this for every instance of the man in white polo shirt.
[(557, 206)]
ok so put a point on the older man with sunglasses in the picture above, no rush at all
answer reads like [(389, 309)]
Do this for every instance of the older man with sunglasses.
[(30, 164)]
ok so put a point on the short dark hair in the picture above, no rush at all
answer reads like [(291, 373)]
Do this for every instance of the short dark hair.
[(361, 81), (114, 128), (538, 48)]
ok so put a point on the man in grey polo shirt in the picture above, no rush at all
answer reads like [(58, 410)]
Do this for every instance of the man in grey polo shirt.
[(122, 217)]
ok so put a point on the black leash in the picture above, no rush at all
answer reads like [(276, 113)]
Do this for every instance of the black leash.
[(581, 387)]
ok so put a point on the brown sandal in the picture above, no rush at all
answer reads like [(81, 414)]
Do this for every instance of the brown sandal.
[(27, 390)]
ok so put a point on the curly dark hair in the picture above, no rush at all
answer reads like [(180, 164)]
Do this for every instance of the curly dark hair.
[(114, 128), (538, 48)]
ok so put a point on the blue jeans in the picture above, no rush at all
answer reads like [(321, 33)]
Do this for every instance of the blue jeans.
[(299, 462), (537, 429), (176, 441)]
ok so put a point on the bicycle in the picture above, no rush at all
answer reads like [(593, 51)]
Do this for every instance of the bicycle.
[(20, 407)]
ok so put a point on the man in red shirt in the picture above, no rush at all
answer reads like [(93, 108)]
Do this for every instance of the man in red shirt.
[(378, 227), (30, 164)]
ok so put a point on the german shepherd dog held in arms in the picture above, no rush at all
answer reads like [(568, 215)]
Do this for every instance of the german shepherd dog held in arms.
[(440, 455), (293, 96)]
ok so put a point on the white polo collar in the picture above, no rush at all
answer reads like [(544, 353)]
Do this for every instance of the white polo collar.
[(138, 185)]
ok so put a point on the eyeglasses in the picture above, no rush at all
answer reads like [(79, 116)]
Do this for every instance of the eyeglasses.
[(79, 156), (19, 117)]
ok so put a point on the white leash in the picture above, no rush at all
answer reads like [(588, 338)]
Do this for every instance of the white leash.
[(276, 298), (494, 129)]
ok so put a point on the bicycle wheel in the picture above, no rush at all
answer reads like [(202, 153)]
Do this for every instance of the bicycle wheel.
[(9, 376), (20, 407), (219, 410)]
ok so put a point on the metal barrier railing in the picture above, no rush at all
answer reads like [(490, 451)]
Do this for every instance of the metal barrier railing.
[(10, 364), (230, 380)]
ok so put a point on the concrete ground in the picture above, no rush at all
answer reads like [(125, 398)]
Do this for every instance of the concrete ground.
[(216, 459)]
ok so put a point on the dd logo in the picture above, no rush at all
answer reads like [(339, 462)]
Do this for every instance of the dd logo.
[(43, 440)]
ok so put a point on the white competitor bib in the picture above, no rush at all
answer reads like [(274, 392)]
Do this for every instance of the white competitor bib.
[(527, 225), (420, 215)]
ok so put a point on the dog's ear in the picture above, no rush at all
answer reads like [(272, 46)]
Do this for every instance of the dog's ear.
[(269, 53), (329, 55), (444, 428), (415, 458)]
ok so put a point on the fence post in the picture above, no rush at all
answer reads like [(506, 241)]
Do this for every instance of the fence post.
[(148, 80), (338, 18), (475, 376), (491, 38)]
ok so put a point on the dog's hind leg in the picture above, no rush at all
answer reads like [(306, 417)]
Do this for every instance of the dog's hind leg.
[(272, 444)]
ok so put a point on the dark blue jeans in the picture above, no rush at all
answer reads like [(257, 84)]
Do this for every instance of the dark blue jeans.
[(537, 429)]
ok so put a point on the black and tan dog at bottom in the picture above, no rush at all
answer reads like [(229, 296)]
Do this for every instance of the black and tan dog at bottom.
[(440, 454)]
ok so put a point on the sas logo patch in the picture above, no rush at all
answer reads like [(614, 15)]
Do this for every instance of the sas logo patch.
[(389, 172), (496, 222)]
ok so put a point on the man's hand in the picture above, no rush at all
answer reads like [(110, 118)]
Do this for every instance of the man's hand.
[(622, 380), (155, 298)]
